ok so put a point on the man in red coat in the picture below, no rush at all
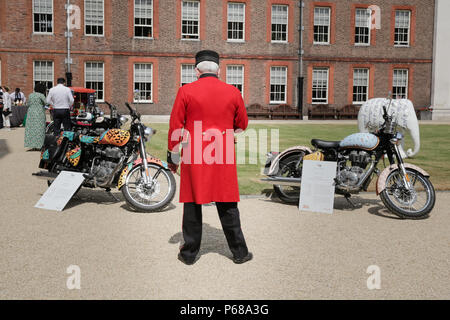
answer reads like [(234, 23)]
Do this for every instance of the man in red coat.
[(204, 118)]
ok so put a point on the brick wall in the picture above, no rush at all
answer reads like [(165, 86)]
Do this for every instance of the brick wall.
[(118, 49)]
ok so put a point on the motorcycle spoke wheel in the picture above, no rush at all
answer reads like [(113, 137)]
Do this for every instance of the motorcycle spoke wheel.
[(415, 202)]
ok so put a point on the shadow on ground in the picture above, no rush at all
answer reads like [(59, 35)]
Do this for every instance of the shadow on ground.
[(213, 241), (4, 150)]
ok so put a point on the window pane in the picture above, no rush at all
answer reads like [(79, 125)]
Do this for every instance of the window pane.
[(279, 23), (236, 19), (143, 79), (43, 16), (322, 24), (94, 78), (320, 85), (94, 17), (278, 84), (402, 27), (188, 74), (400, 84), (360, 85), (362, 26), (190, 16), (143, 18), (43, 73), (235, 77)]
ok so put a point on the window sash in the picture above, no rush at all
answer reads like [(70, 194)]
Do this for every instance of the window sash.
[(43, 72), (279, 20), (362, 26), (320, 81), (143, 81), (188, 74), (190, 20), (322, 17), (278, 84), (236, 21), (360, 85), (43, 16), (143, 18), (402, 27), (94, 78), (400, 83), (235, 77), (94, 17)]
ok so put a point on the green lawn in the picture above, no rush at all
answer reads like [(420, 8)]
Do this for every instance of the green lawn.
[(434, 155)]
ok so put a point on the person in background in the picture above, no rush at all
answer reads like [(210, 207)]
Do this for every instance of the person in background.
[(36, 121), (18, 98), (6, 106), (61, 98), (2, 97)]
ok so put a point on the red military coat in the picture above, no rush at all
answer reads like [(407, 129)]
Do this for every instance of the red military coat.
[(209, 111)]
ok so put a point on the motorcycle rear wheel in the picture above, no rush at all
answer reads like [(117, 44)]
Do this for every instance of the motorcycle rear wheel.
[(141, 197), (289, 194), (415, 204)]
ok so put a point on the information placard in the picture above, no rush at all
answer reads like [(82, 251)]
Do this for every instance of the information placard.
[(61, 191), (317, 188)]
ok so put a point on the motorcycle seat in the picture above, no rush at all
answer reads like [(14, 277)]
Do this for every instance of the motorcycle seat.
[(321, 144)]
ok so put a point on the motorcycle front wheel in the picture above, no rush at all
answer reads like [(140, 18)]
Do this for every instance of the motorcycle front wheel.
[(414, 203), (152, 197), (288, 169)]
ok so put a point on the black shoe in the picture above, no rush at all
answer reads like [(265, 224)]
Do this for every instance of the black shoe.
[(245, 259), (180, 257)]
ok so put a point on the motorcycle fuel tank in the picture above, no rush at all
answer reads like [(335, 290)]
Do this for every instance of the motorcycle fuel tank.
[(115, 137), (366, 141)]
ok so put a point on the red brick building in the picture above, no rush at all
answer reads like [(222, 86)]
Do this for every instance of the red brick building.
[(120, 46)]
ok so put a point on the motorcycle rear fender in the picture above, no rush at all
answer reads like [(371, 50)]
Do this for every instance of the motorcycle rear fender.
[(381, 182), (131, 165), (276, 161)]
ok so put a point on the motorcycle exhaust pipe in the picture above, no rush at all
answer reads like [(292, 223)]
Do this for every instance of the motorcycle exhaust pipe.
[(44, 175), (282, 181)]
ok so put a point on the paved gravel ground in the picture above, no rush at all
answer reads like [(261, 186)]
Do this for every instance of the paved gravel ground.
[(123, 254)]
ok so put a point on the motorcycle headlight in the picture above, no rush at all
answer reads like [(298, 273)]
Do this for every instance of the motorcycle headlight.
[(397, 139), (123, 119), (148, 132)]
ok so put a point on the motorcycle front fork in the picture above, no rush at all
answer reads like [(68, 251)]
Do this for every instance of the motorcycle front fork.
[(402, 170)]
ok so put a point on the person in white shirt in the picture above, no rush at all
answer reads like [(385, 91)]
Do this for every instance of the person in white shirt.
[(61, 98), (18, 98), (6, 106)]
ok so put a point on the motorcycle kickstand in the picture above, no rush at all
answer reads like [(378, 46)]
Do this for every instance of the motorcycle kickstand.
[(108, 191), (347, 197)]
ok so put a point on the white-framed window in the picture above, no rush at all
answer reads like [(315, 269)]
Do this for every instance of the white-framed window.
[(143, 18), (362, 26), (235, 77), (320, 86), (360, 85), (188, 74), (43, 16), (95, 78), (143, 82), (278, 84), (279, 23), (43, 72), (236, 21), (190, 20), (94, 17), (400, 84), (322, 17), (402, 27)]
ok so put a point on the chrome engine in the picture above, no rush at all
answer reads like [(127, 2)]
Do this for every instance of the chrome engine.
[(106, 164), (350, 175)]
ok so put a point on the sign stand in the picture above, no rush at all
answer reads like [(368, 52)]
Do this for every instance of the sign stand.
[(317, 188), (61, 191)]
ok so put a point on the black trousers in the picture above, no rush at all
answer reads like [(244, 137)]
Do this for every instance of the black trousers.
[(61, 116), (1, 116), (231, 225)]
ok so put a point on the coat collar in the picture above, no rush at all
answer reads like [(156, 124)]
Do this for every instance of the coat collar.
[(207, 75)]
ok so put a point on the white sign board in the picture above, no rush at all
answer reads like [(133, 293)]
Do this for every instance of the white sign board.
[(317, 188), (61, 191)]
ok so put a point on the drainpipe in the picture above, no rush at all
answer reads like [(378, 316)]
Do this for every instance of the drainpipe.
[(68, 35), (300, 79)]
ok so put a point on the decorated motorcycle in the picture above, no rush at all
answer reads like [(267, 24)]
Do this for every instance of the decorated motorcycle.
[(404, 188), (117, 158)]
